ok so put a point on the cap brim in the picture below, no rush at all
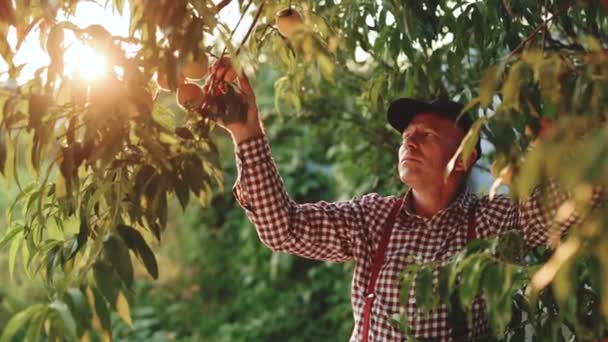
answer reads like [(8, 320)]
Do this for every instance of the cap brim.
[(401, 112)]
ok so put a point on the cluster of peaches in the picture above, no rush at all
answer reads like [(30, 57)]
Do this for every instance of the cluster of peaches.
[(219, 90)]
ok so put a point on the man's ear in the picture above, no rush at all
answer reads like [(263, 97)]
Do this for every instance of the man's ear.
[(464, 166)]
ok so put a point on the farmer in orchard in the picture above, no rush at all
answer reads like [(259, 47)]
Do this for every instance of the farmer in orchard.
[(435, 219)]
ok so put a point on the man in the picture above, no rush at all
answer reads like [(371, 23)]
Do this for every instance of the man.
[(431, 224)]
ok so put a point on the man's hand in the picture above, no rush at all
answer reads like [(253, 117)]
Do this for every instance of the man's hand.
[(252, 127)]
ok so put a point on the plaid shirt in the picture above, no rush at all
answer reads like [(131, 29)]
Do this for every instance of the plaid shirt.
[(351, 230)]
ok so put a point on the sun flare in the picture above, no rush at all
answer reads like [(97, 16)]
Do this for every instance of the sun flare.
[(84, 62)]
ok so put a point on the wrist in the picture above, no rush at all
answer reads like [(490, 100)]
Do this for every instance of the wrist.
[(245, 132)]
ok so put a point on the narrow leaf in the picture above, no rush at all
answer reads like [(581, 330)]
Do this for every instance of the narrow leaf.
[(107, 281), (467, 146), (122, 307), (77, 302), (35, 326), (18, 320), (138, 245), (101, 314), (10, 235), (66, 317), (12, 253), (118, 253), (424, 288)]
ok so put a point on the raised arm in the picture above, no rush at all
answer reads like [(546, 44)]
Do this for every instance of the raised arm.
[(322, 230), (326, 231)]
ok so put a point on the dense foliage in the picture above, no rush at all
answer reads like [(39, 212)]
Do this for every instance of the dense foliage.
[(106, 158)]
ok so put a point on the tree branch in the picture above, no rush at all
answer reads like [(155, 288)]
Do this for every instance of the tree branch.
[(255, 20), (532, 35), (544, 26), (221, 5)]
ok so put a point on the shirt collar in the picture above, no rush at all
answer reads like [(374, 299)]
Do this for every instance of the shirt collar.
[(463, 201)]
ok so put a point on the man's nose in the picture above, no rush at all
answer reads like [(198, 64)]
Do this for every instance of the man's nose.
[(412, 142)]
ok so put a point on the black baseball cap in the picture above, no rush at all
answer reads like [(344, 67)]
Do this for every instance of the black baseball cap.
[(402, 111)]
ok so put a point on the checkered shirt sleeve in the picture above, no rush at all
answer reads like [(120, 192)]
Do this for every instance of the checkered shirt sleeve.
[(323, 230), (535, 217)]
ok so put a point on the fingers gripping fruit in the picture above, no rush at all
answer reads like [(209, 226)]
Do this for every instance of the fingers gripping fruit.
[(225, 103), (222, 70)]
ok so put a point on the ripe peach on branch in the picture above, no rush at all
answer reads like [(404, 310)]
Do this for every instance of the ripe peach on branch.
[(196, 69), (190, 96), (288, 21)]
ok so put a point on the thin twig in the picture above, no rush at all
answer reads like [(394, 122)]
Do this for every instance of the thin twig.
[(237, 25), (532, 35), (542, 47), (218, 76), (255, 20), (222, 4)]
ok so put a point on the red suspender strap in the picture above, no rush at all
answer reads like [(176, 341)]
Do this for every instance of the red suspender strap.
[(378, 261), (471, 233)]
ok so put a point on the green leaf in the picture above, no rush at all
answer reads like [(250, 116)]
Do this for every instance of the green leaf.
[(529, 173), (10, 235), (592, 43), (107, 281), (469, 284), (70, 250), (467, 146), (18, 320), (407, 280), (12, 253), (500, 314), (492, 282), (11, 159), (117, 252), (35, 326), (83, 229), (510, 89), (119, 5), (138, 245), (3, 152), (53, 259), (487, 86), (101, 314), (425, 297), (443, 289), (66, 317), (77, 302), (184, 133), (182, 191), (327, 66), (477, 246)]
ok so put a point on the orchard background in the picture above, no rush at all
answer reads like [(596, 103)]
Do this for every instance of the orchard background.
[(119, 221)]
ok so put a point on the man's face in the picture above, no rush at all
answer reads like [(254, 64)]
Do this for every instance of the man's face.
[(429, 142)]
